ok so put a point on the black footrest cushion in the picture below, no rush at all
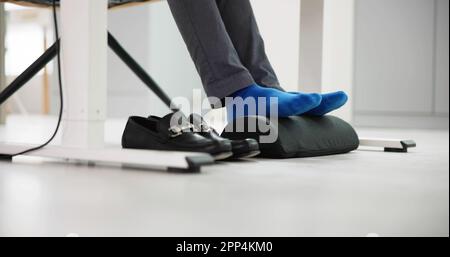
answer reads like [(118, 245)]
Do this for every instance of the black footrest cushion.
[(295, 137)]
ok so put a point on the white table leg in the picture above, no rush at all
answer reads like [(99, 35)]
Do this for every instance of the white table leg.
[(311, 45), (84, 69), (2, 59), (327, 48), (338, 51), (84, 66)]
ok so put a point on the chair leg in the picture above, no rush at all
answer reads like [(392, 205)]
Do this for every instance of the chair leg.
[(29, 73), (139, 71)]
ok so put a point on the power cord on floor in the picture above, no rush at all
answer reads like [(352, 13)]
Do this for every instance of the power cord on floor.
[(61, 107)]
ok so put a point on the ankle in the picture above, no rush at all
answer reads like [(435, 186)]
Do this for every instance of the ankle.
[(246, 91)]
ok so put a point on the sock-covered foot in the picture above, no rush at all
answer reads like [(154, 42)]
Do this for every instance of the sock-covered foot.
[(330, 102), (257, 101)]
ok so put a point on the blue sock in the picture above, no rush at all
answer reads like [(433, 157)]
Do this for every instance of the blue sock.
[(288, 104), (330, 102)]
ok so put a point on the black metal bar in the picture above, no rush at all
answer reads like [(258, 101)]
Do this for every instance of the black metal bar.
[(138, 70), (51, 53), (29, 73)]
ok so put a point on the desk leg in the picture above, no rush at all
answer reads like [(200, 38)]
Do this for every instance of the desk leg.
[(84, 65), (2, 59), (327, 48), (84, 60)]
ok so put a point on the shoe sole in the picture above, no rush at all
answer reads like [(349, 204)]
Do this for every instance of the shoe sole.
[(222, 156), (218, 154), (252, 150), (247, 155)]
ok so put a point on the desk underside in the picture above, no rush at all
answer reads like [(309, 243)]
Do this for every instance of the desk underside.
[(49, 3)]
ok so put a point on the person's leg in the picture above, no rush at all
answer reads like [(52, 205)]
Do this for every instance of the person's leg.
[(242, 27), (210, 46), (220, 66)]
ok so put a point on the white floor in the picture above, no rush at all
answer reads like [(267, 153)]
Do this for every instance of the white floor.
[(365, 192)]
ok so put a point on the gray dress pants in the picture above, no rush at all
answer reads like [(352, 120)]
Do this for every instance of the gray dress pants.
[(224, 41)]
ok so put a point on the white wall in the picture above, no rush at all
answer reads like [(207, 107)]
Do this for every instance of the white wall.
[(338, 52), (441, 105), (311, 45), (327, 49), (127, 95), (279, 22), (401, 55), (169, 61)]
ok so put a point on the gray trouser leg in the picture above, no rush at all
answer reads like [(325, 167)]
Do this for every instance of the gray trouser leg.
[(210, 46), (243, 30)]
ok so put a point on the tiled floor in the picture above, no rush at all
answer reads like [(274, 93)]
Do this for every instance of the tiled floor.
[(365, 192)]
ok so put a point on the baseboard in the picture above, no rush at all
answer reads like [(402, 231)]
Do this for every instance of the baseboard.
[(398, 121)]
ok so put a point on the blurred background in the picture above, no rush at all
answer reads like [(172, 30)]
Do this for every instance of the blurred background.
[(392, 56)]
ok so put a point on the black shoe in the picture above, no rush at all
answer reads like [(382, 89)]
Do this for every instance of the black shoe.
[(170, 134), (247, 148)]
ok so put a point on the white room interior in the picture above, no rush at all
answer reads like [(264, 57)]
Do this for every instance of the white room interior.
[(391, 56)]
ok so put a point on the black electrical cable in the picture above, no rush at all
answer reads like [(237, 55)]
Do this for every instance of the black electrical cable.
[(61, 107)]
